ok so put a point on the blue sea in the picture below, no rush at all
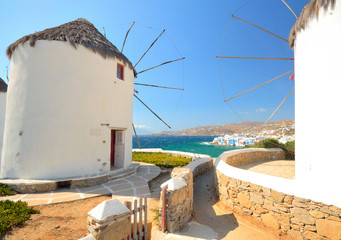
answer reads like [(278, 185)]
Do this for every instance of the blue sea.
[(193, 144)]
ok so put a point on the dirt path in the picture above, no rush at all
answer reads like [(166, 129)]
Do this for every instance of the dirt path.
[(57, 221), (226, 224)]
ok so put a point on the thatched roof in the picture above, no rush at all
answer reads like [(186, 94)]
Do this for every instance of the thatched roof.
[(78, 32), (310, 10), (3, 85)]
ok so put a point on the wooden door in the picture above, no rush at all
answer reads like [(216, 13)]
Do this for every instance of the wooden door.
[(112, 148)]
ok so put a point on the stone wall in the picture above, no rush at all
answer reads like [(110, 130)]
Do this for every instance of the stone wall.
[(179, 190), (108, 221), (298, 217), (242, 157)]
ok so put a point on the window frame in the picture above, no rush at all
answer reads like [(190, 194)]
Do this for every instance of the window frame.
[(120, 66)]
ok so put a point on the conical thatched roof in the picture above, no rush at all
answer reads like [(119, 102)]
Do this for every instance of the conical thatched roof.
[(78, 32), (309, 11), (3, 85)]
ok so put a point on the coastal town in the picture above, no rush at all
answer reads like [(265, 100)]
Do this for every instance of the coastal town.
[(283, 131)]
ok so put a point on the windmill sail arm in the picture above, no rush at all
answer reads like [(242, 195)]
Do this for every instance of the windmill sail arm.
[(258, 86), (127, 36), (149, 85), (152, 111), (160, 65), (275, 35), (259, 58), (149, 47), (280, 105)]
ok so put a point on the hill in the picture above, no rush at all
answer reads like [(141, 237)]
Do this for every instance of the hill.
[(281, 127)]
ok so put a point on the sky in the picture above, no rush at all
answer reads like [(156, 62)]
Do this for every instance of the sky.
[(196, 30)]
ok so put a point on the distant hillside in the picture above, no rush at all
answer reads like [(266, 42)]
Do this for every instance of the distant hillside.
[(247, 127)]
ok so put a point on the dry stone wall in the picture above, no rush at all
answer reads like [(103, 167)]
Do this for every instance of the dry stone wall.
[(179, 198), (298, 217)]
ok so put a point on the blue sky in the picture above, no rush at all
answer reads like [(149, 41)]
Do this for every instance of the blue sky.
[(197, 30)]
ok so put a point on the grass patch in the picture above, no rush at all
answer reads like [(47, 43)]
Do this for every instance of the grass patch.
[(13, 214), (6, 191), (157, 216), (161, 159)]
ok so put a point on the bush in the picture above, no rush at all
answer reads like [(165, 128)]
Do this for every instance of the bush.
[(13, 214), (269, 143), (161, 159), (6, 191), (288, 147)]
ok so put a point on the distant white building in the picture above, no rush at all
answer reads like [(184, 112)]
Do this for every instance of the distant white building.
[(316, 38), (3, 95), (69, 105)]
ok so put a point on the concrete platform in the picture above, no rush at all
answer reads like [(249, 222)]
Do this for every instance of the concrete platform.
[(134, 185), (277, 168), (36, 186)]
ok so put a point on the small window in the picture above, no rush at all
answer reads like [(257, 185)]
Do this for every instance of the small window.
[(120, 71), (119, 137)]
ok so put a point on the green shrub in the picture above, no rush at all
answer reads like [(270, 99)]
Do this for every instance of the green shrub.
[(269, 143), (288, 147), (5, 191), (13, 214), (161, 159)]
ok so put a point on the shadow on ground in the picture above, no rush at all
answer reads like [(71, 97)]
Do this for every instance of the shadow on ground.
[(205, 212)]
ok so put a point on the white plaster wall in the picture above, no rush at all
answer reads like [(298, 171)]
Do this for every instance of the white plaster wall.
[(58, 97), (317, 104), (3, 96)]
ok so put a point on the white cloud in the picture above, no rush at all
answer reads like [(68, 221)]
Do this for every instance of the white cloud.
[(141, 127), (261, 110), (244, 112)]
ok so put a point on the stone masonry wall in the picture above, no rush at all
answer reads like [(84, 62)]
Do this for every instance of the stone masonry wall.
[(179, 198), (244, 156), (299, 218)]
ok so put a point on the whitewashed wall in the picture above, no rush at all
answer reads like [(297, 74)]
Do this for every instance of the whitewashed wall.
[(3, 96), (317, 106), (58, 97)]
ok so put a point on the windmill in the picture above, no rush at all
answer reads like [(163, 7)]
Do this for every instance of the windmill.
[(263, 58), (145, 70)]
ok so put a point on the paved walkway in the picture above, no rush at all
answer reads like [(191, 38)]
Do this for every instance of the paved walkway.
[(277, 168), (135, 185)]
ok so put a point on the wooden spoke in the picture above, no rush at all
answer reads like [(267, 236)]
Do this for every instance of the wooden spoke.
[(148, 85), (289, 8), (260, 28), (258, 86), (280, 105), (152, 111), (124, 42), (149, 48), (137, 139), (160, 65), (262, 58)]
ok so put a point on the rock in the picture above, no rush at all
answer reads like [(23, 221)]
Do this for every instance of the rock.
[(267, 191), (303, 215), (277, 196), (325, 209), (310, 228), (311, 235), (270, 221), (329, 229), (316, 214), (288, 199), (115, 231), (256, 198), (243, 199), (295, 235), (334, 218)]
